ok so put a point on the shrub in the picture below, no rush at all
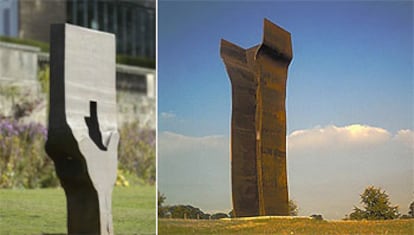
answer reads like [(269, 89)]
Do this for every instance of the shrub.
[(25, 164), (317, 217), (121, 179), (44, 47), (185, 212), (293, 208), (23, 161), (135, 61), (219, 216), (136, 151), (43, 77)]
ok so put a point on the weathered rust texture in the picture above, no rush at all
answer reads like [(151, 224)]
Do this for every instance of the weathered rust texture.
[(258, 125)]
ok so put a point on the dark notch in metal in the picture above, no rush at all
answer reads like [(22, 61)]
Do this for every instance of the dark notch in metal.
[(93, 126)]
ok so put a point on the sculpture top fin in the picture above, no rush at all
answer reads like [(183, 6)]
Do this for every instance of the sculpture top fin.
[(277, 40)]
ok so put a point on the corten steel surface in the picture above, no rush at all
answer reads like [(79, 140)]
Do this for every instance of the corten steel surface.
[(258, 124), (82, 136)]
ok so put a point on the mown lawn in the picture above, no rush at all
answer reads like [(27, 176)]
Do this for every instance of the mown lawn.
[(43, 211), (284, 226)]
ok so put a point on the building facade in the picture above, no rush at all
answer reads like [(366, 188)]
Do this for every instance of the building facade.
[(9, 15), (132, 21)]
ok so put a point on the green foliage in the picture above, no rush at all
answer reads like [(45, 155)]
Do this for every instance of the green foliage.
[(23, 161), (44, 47), (293, 208), (23, 103), (44, 77), (185, 212), (161, 199), (317, 217), (121, 179), (410, 214), (136, 61), (10, 92), (411, 210), (219, 216), (163, 211), (377, 206), (136, 152)]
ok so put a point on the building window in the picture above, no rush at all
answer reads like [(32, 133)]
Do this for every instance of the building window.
[(133, 22), (6, 20)]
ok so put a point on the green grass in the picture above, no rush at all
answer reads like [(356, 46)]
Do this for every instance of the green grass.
[(43, 211), (284, 226)]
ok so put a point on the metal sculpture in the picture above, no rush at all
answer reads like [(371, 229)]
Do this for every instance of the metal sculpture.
[(258, 77), (82, 136)]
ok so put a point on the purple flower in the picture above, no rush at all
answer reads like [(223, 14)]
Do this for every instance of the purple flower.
[(9, 128)]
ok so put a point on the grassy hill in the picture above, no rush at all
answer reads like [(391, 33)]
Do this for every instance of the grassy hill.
[(284, 226), (43, 211)]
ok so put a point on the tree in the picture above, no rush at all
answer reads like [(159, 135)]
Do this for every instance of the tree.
[(231, 214), (161, 209), (411, 211), (219, 216), (377, 206), (293, 208), (185, 212)]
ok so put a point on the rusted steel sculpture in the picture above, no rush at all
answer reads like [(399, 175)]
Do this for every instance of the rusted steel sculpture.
[(82, 136), (258, 125)]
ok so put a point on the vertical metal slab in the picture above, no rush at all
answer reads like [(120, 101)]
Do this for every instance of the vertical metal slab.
[(258, 129), (243, 131), (82, 136)]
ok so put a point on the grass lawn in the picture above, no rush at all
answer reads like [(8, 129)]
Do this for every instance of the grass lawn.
[(284, 226), (43, 211)]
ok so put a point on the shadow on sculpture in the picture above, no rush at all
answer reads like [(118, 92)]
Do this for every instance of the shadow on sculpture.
[(93, 126), (82, 136), (258, 124)]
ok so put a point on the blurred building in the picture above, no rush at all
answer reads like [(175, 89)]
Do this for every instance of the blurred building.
[(22, 66), (132, 21)]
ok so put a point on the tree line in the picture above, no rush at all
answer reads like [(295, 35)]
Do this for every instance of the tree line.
[(376, 206)]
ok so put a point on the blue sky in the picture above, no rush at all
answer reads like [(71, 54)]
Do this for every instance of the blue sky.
[(351, 78)]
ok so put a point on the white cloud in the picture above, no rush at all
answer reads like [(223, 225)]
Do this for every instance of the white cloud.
[(167, 115), (328, 167), (329, 137), (405, 137), (194, 170), (173, 143)]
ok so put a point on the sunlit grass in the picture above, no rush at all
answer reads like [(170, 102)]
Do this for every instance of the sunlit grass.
[(284, 226), (43, 211)]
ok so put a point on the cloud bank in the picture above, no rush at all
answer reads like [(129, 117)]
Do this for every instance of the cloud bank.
[(194, 170), (328, 167), (333, 137)]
